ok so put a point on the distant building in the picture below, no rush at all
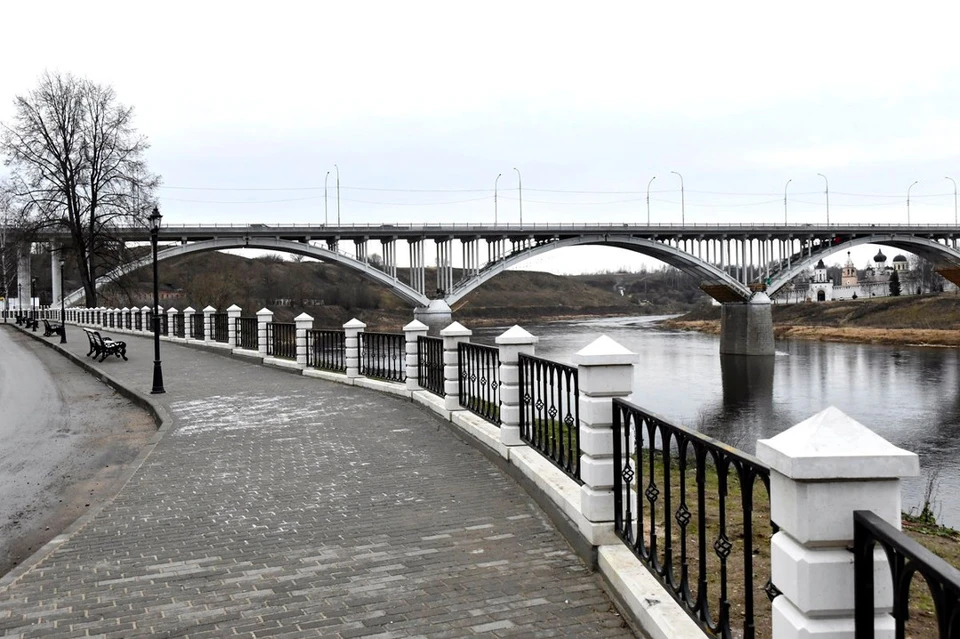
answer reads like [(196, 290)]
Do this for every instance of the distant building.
[(874, 281)]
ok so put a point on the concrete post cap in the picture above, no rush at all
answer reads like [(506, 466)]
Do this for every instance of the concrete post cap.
[(456, 330), (265, 311), (172, 310), (415, 326), (189, 309), (354, 323), (604, 351), (516, 335), (209, 309), (302, 317), (145, 308), (234, 308), (124, 309)]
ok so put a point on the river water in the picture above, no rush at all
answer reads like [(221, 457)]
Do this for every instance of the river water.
[(908, 395)]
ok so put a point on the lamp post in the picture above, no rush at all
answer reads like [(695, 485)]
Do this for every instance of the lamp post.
[(338, 194), (908, 200), (157, 370), (954, 198), (33, 302), (785, 199), (648, 198), (520, 192), (683, 213), (495, 198), (63, 316), (325, 198), (827, 193)]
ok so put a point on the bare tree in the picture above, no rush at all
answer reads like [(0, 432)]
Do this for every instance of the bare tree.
[(78, 164)]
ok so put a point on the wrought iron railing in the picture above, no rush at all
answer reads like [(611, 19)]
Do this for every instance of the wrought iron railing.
[(111, 321), (382, 356), (220, 324), (282, 340), (430, 364), (128, 320), (196, 326), (138, 321), (667, 475), (480, 380), (248, 330), (326, 350), (178, 328), (906, 558), (550, 411)]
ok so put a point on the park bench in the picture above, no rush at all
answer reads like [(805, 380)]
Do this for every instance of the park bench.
[(49, 330), (27, 322), (101, 346)]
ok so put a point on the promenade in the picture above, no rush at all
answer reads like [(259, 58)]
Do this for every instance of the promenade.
[(274, 505)]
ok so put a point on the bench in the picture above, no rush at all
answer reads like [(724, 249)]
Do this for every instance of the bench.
[(49, 330), (28, 322), (101, 346)]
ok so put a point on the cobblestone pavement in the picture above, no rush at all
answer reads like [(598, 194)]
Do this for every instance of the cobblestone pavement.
[(282, 506)]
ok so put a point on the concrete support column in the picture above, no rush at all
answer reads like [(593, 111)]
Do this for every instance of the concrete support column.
[(821, 471), (511, 343), (208, 312), (747, 328), (304, 323), (605, 371), (452, 335), (412, 331), (171, 320), (264, 317), (233, 314), (352, 330), (436, 316)]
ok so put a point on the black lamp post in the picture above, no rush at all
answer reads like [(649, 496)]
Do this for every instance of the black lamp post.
[(63, 316), (33, 302), (157, 370)]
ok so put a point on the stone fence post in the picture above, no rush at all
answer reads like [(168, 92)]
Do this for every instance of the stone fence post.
[(145, 325), (124, 313), (304, 323), (208, 312), (605, 371), (171, 320), (264, 317), (452, 335), (233, 314), (188, 322), (511, 343), (821, 471), (351, 359), (412, 331)]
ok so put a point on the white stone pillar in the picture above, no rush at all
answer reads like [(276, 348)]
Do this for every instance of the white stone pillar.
[(188, 322), (146, 326), (23, 279), (171, 320), (821, 471), (124, 313), (264, 317), (452, 335), (233, 314), (352, 330), (304, 323), (412, 331), (605, 371), (511, 343), (208, 312)]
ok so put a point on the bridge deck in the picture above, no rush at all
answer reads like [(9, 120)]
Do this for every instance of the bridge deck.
[(289, 506)]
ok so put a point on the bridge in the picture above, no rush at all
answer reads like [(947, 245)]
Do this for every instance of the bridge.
[(739, 265)]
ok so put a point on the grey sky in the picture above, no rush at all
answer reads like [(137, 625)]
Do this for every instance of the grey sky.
[(437, 98)]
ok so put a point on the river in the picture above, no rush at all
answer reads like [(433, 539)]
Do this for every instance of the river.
[(908, 395)]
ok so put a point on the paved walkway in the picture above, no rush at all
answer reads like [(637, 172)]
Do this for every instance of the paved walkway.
[(282, 506)]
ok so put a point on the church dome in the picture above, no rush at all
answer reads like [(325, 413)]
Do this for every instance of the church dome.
[(820, 264), (880, 258), (900, 258)]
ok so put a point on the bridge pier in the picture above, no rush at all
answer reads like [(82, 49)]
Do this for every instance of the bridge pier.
[(747, 328), (436, 316)]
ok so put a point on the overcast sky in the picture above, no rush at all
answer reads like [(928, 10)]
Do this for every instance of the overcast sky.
[(422, 104)]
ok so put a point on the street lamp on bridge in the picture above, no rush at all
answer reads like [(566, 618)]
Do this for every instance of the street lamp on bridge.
[(954, 198), (826, 192), (520, 193), (33, 301), (785, 199), (683, 213), (908, 200), (495, 198), (157, 370), (338, 194), (327, 177), (648, 198)]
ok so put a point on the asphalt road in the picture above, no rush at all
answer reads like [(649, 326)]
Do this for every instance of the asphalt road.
[(64, 438)]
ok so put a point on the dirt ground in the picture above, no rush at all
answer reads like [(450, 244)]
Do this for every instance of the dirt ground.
[(66, 440)]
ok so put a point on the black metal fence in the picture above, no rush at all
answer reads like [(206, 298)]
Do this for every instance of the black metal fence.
[(480, 380), (430, 364), (282, 340), (382, 356), (127, 319), (668, 475), (906, 558), (248, 333), (550, 411), (326, 350), (220, 324), (196, 326), (178, 328), (138, 321)]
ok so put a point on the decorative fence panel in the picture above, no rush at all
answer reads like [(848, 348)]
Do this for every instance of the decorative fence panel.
[(128, 320), (382, 356), (221, 327), (717, 497), (196, 326), (178, 327), (138, 321), (430, 364), (326, 350), (480, 380), (247, 333), (550, 411), (282, 340)]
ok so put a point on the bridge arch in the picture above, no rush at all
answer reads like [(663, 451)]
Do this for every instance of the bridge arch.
[(403, 291), (668, 254)]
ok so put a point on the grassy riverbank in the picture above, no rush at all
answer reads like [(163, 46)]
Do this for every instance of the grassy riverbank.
[(927, 320)]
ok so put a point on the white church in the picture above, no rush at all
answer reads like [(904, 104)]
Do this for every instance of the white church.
[(874, 283)]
